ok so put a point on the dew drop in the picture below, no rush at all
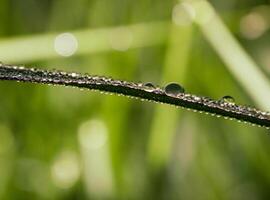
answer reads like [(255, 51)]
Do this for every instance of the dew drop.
[(73, 74), (140, 84), (228, 99), (196, 98), (149, 87), (173, 89)]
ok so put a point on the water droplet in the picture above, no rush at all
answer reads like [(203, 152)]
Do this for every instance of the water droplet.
[(140, 84), (228, 99), (149, 87), (149, 84), (74, 74), (173, 89)]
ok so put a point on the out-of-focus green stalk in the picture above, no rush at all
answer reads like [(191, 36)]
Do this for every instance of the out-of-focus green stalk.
[(7, 152), (115, 112), (165, 118), (40, 47), (3, 16)]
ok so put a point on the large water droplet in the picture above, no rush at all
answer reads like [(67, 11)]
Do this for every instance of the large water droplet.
[(228, 99), (173, 89), (149, 87)]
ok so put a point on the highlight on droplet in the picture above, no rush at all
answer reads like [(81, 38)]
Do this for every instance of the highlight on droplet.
[(121, 38), (65, 44), (149, 87)]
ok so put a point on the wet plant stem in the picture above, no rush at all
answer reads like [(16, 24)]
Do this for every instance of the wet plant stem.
[(141, 91)]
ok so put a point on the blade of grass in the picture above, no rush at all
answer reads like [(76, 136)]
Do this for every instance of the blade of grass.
[(137, 90)]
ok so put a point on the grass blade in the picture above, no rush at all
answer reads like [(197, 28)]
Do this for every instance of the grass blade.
[(136, 90)]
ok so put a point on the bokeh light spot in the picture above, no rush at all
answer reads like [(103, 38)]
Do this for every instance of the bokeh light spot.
[(65, 44), (65, 170), (92, 134), (204, 13), (253, 25), (121, 39)]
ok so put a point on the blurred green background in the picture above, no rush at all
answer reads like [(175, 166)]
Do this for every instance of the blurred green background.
[(64, 143)]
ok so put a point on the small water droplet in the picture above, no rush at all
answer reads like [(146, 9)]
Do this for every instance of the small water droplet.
[(149, 84), (140, 84), (196, 98), (74, 74), (149, 87), (173, 89), (228, 99)]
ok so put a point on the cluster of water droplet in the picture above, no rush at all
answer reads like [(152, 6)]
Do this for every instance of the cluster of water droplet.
[(226, 103)]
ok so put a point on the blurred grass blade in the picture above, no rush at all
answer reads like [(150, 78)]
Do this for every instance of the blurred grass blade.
[(115, 111), (233, 55), (163, 127), (41, 47), (93, 140)]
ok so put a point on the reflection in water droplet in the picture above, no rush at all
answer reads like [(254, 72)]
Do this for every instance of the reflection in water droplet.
[(149, 87), (228, 99), (173, 89)]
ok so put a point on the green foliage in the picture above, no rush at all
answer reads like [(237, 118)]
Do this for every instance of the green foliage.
[(62, 143)]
